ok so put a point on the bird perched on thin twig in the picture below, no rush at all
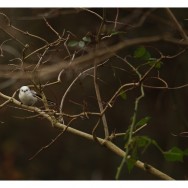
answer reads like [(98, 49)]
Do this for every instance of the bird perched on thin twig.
[(29, 97)]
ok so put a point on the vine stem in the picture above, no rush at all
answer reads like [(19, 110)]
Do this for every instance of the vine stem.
[(133, 122), (131, 131)]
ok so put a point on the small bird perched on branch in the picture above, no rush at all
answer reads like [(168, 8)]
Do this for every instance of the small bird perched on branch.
[(29, 97)]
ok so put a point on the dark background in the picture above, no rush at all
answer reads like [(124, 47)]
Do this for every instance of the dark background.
[(71, 157)]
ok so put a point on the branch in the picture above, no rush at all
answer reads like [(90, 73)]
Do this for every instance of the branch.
[(179, 27), (99, 101), (70, 86), (85, 61), (115, 149)]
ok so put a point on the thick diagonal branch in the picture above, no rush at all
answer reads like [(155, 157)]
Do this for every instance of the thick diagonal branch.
[(115, 149)]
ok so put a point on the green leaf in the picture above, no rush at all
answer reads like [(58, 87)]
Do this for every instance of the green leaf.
[(143, 121), (72, 43), (186, 151), (155, 62), (86, 39), (81, 44), (139, 52), (143, 141), (146, 56), (174, 154), (130, 162), (123, 95), (142, 53)]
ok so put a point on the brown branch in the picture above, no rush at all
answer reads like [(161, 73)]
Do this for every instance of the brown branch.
[(164, 87), (51, 28), (88, 10), (68, 89), (29, 34), (114, 135), (115, 149), (1, 47), (46, 146), (178, 26), (8, 100), (109, 103), (94, 130), (116, 19), (82, 114), (101, 54), (40, 60), (99, 101), (53, 140)]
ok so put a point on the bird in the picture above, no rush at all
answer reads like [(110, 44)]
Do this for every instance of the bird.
[(29, 97)]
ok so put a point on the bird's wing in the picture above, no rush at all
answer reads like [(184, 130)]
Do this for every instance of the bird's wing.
[(40, 97), (36, 95)]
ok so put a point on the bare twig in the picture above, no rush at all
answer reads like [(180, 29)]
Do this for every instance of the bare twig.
[(53, 140), (65, 44), (51, 28), (1, 46), (46, 146), (29, 34), (129, 86), (8, 100), (116, 19), (178, 26), (99, 100), (40, 60), (114, 135), (100, 17), (68, 89)]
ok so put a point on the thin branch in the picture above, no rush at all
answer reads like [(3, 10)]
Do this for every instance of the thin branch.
[(65, 44), (1, 46), (88, 10), (114, 135), (51, 28), (40, 60), (178, 26), (53, 140), (8, 100), (48, 145), (101, 26), (68, 89), (80, 115), (165, 87), (94, 130), (54, 43), (29, 34), (109, 103), (116, 19), (99, 101)]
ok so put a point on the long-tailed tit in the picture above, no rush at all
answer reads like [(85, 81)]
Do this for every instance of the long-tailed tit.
[(29, 97)]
